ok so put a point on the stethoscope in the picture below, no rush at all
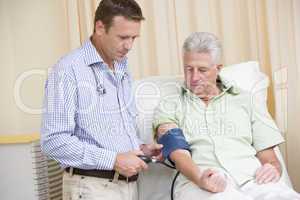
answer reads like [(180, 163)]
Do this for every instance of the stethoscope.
[(101, 91), (99, 86)]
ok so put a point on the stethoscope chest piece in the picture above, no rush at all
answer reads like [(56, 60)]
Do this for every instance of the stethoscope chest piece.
[(100, 89)]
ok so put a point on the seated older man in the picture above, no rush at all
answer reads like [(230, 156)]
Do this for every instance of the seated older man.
[(220, 141)]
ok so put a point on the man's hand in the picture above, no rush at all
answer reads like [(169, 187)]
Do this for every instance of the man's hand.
[(152, 150), (267, 173), (212, 181), (128, 164)]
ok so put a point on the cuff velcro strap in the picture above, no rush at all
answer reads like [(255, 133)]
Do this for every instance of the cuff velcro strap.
[(172, 140)]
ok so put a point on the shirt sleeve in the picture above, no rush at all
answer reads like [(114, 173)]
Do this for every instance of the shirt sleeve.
[(58, 140), (265, 133), (166, 112)]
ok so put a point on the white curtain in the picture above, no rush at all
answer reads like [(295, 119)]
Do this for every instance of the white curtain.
[(283, 19)]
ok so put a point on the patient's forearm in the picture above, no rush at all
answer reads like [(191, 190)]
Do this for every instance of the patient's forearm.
[(269, 156), (181, 158), (184, 163)]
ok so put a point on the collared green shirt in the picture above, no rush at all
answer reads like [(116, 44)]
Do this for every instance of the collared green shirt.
[(226, 134)]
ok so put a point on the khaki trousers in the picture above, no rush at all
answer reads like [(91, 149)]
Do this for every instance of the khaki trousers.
[(79, 187)]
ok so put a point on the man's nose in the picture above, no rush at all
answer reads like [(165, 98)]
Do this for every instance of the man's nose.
[(128, 44), (196, 76)]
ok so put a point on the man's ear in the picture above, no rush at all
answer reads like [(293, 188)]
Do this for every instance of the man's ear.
[(99, 27), (219, 67)]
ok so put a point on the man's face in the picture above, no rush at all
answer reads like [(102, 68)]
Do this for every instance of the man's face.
[(116, 42), (200, 72)]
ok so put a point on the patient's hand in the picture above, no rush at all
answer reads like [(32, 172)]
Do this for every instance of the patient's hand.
[(266, 174), (212, 181)]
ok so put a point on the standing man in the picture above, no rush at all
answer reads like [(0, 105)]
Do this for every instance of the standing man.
[(89, 121)]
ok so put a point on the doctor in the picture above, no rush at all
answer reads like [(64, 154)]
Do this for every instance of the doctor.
[(89, 121)]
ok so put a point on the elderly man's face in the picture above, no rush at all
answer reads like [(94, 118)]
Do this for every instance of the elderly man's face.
[(200, 72)]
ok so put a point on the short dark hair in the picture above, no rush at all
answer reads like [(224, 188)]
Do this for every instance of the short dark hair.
[(108, 9)]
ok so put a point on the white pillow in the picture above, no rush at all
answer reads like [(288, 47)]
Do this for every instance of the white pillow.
[(247, 76)]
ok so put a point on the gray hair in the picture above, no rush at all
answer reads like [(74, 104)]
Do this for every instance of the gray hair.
[(204, 42)]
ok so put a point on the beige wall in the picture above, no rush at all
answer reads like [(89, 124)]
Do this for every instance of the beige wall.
[(34, 34)]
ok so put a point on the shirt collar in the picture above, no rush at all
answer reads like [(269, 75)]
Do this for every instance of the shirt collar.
[(93, 57), (228, 86)]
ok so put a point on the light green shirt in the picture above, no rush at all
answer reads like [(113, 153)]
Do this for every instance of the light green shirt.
[(225, 134)]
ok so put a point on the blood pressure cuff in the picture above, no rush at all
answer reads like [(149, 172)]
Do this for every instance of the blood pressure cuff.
[(172, 140)]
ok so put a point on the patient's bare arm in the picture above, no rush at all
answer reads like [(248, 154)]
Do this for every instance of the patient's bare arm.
[(271, 168), (208, 180)]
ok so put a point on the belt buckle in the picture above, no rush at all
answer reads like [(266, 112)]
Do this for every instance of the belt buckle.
[(116, 177), (71, 171)]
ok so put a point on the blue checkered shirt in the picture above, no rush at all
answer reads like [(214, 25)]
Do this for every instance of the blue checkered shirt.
[(82, 126)]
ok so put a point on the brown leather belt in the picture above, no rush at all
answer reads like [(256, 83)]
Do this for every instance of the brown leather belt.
[(108, 174)]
